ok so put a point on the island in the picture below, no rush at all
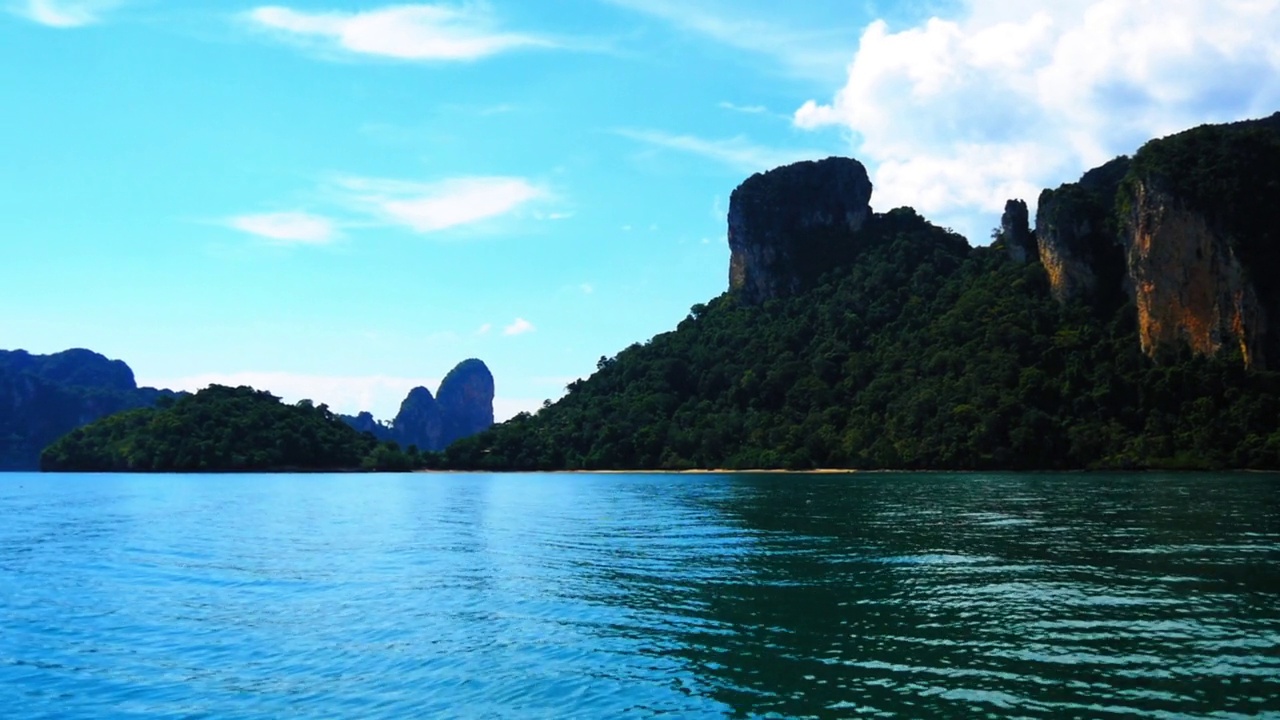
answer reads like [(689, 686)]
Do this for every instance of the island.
[(1136, 325)]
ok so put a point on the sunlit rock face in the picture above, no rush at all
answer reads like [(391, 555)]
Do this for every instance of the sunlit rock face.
[(790, 224), (1189, 284), (1200, 214), (466, 401)]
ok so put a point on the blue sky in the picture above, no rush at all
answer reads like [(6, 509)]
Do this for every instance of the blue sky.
[(340, 200)]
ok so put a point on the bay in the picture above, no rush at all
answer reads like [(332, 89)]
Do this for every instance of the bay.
[(588, 596)]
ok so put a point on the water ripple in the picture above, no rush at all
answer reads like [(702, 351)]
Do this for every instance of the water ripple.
[(482, 596)]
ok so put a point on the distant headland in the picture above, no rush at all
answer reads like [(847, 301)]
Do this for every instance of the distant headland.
[(78, 410)]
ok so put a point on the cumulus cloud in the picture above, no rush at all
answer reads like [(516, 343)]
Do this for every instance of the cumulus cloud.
[(64, 13), (287, 227), (432, 207), (404, 32), (519, 327), (956, 116), (737, 152)]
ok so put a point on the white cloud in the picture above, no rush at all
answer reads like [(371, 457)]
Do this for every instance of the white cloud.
[(519, 327), (287, 227), (954, 117), (484, 329), (405, 32), (432, 207), (737, 152), (64, 13)]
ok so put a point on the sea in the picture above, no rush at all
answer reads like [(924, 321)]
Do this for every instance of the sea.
[(436, 595)]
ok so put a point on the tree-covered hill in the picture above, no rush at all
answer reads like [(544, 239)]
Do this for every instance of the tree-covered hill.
[(921, 352), (223, 429), (923, 355)]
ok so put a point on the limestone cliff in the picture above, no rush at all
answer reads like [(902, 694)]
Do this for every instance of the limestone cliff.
[(1188, 284), (466, 401), (1076, 235), (789, 225), (462, 408), (1015, 232), (1201, 214), (419, 421)]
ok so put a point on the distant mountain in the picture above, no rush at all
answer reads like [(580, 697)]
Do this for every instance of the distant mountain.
[(464, 407), (466, 401), (1137, 325), (43, 397)]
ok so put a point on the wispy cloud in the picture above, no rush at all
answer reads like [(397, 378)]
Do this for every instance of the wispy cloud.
[(484, 329), (552, 215), (404, 32), (745, 109), (519, 327), (737, 153), (432, 207), (287, 227), (65, 13), (587, 288), (814, 53), (954, 116)]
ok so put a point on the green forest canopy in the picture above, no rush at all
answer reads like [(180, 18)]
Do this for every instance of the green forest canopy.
[(224, 429), (925, 353)]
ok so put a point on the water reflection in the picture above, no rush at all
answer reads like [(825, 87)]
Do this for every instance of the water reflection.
[(942, 595)]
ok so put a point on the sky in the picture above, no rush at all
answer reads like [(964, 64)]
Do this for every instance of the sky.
[(340, 200)]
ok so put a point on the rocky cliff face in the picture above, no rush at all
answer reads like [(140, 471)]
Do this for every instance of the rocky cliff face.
[(466, 401), (1202, 240), (1075, 235), (1189, 229), (1188, 283), (790, 224)]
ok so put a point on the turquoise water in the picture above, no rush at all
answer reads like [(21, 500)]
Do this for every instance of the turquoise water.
[(594, 596)]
